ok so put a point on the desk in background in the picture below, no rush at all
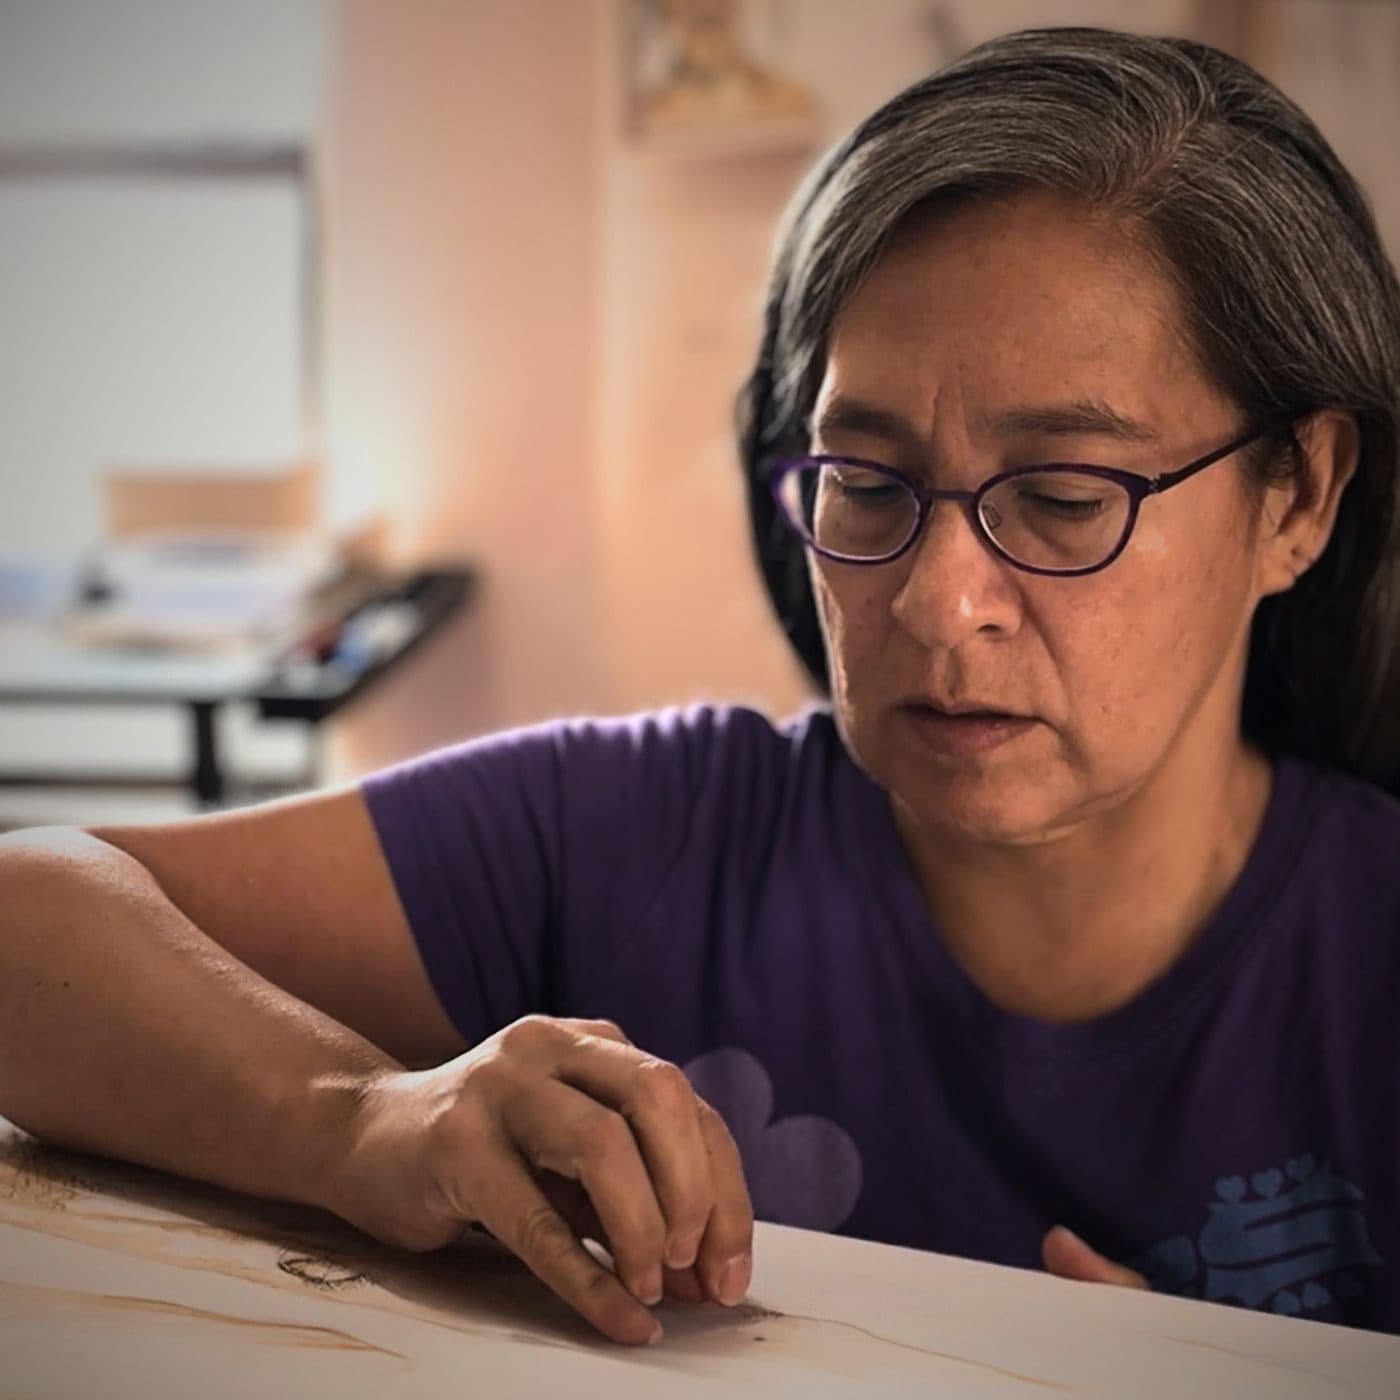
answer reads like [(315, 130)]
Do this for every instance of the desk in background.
[(119, 1282), (364, 631)]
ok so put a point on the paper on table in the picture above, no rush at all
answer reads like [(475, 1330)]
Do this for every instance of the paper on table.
[(123, 1282)]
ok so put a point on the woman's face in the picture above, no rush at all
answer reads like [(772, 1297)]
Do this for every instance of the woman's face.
[(1004, 335)]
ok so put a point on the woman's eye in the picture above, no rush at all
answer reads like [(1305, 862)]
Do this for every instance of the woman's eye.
[(865, 486), (867, 491), (1065, 507)]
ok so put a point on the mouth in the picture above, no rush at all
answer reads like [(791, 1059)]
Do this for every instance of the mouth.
[(966, 710), (960, 730)]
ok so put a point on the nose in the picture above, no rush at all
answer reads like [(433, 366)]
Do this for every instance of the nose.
[(954, 586)]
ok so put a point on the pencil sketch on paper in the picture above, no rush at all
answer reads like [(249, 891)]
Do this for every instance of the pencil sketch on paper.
[(321, 1272), (35, 1175)]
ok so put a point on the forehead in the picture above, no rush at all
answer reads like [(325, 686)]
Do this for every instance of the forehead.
[(1027, 299)]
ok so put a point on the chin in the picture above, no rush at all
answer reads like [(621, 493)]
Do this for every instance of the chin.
[(1008, 797), (982, 817)]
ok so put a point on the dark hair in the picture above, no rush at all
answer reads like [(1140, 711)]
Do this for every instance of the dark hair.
[(1290, 299)]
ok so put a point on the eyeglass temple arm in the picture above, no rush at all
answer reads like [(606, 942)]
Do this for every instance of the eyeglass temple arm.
[(1157, 484)]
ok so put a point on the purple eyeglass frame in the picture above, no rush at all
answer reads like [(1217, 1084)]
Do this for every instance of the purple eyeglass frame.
[(1137, 486)]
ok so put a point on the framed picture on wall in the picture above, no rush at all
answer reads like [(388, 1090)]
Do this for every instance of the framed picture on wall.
[(700, 76)]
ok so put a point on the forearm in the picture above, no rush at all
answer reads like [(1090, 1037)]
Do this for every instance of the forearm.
[(125, 1030)]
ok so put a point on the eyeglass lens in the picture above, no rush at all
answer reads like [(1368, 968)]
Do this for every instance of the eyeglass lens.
[(1058, 519)]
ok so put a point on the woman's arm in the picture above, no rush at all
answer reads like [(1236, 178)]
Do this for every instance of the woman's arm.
[(125, 1030), (300, 892), (169, 993), (178, 996)]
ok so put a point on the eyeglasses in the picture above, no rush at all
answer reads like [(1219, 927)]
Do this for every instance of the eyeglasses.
[(1065, 519)]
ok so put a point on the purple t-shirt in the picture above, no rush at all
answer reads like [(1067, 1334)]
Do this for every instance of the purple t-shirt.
[(734, 895)]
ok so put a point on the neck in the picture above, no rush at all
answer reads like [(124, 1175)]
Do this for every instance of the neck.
[(1077, 925)]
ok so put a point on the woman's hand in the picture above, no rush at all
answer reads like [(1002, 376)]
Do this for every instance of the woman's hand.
[(551, 1131), (1068, 1256)]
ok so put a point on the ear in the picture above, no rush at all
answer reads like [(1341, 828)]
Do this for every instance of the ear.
[(1297, 516)]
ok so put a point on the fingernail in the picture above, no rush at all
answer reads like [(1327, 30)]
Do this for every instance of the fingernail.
[(655, 1334), (734, 1279), (682, 1250), (649, 1287)]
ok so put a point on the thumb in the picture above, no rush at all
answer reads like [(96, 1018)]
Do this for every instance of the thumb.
[(1068, 1256)]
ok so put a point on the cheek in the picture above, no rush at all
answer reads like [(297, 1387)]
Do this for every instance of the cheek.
[(1149, 544), (854, 607), (1142, 649), (1204, 572)]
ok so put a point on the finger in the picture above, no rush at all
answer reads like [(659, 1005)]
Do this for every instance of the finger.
[(684, 1286), (725, 1261), (564, 1131), (1066, 1255), (571, 1201), (660, 1106), (518, 1214), (602, 1030)]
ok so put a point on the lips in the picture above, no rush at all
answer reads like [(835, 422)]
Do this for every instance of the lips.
[(967, 709), (963, 730)]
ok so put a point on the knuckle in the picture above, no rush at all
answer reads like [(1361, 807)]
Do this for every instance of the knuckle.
[(486, 1070), (486, 1094), (528, 1034), (542, 1236), (663, 1084), (715, 1129), (606, 1030)]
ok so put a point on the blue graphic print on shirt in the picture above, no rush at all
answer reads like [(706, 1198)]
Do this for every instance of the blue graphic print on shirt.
[(1290, 1247)]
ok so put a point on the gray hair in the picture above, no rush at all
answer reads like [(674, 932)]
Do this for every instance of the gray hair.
[(1290, 302)]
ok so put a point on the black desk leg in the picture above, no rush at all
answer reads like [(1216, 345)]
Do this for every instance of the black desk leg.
[(207, 778)]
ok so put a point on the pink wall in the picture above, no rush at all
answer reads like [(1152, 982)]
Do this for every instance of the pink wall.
[(462, 223), (688, 242)]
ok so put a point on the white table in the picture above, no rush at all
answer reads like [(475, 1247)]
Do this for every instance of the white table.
[(378, 622), (118, 1282)]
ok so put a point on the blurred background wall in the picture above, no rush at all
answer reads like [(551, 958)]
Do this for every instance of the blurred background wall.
[(519, 313)]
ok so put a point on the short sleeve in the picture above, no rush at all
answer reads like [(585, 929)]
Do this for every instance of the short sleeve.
[(523, 860)]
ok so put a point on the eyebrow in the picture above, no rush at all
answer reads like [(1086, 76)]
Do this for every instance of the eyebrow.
[(1080, 418), (855, 416)]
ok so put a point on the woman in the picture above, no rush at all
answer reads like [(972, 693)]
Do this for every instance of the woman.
[(1072, 461)]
